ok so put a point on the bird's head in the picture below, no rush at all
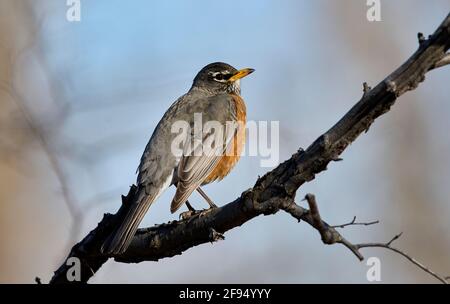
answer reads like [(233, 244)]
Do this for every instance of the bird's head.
[(219, 77)]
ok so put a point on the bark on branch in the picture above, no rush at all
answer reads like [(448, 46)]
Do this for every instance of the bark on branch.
[(275, 190)]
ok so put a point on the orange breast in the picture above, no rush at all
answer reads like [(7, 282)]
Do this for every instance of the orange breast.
[(229, 161)]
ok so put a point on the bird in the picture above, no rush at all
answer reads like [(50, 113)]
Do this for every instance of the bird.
[(216, 94)]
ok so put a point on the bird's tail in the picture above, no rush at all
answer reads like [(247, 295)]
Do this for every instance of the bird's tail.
[(121, 237)]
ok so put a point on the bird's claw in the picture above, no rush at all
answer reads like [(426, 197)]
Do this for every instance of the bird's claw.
[(206, 211), (191, 213), (188, 214)]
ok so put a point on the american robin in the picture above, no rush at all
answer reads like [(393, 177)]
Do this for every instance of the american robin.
[(215, 93)]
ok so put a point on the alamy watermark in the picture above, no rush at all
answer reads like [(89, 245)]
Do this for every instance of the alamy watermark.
[(374, 10), (214, 138), (73, 274), (73, 13), (373, 274)]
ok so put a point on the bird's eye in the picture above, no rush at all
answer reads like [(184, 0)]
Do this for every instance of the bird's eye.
[(219, 76)]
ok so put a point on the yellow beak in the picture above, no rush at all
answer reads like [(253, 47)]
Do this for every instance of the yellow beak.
[(240, 74)]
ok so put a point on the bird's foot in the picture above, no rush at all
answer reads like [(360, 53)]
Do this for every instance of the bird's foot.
[(206, 211), (193, 212), (190, 213)]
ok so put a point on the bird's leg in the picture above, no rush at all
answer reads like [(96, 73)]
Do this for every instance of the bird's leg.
[(189, 206), (187, 214), (191, 212), (207, 199)]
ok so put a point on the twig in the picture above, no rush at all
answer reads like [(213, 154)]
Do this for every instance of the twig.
[(355, 223), (328, 234), (404, 254), (328, 237), (331, 236), (366, 88)]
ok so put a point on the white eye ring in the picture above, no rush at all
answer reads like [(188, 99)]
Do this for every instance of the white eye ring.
[(222, 79)]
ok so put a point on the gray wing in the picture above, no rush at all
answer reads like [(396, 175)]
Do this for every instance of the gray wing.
[(198, 162), (157, 160), (195, 167)]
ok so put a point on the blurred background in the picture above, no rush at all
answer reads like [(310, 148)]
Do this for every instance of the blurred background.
[(79, 101)]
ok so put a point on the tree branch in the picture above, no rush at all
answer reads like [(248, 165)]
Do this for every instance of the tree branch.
[(276, 189), (331, 236)]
